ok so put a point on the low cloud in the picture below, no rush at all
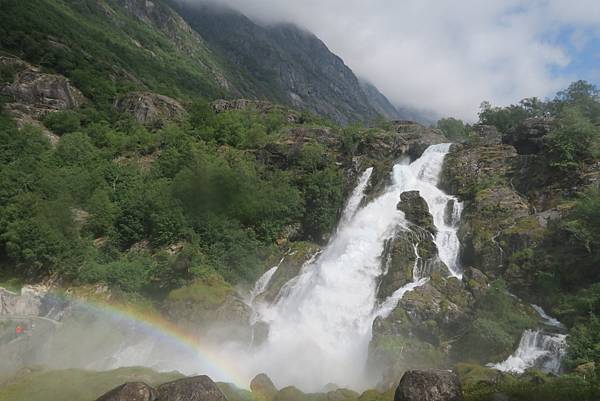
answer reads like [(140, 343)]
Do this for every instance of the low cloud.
[(445, 55)]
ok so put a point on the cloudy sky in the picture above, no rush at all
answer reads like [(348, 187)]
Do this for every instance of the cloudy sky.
[(449, 55)]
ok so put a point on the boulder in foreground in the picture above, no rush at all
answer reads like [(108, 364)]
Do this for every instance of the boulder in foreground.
[(429, 385), (134, 391), (198, 388)]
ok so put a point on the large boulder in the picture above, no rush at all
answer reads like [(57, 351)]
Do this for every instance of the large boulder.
[(416, 210), (135, 391), (198, 388), (149, 108), (429, 385), (263, 388)]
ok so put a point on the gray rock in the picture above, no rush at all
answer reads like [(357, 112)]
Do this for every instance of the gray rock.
[(198, 388), (135, 391), (429, 385), (149, 108), (36, 93)]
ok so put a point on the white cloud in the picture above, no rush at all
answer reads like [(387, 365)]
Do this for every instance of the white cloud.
[(441, 54)]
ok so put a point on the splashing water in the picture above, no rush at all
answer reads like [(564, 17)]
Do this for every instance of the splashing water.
[(320, 327), (537, 348)]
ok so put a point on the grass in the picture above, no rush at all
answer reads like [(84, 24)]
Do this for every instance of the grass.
[(74, 384)]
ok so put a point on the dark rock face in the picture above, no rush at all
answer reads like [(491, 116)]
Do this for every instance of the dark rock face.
[(263, 388), (199, 388), (149, 108), (135, 391), (429, 385), (528, 137), (283, 63), (416, 210)]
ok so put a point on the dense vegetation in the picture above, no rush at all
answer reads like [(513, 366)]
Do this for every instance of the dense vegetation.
[(564, 266), (108, 201), (103, 51)]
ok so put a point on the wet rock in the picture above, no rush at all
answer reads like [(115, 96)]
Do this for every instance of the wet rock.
[(429, 385), (198, 388), (401, 261), (263, 388), (260, 333), (416, 210), (150, 109), (528, 137), (135, 391), (296, 256)]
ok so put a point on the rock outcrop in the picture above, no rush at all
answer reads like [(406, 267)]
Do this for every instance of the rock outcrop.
[(528, 137), (150, 109), (416, 210), (35, 93), (263, 388), (429, 385), (134, 391)]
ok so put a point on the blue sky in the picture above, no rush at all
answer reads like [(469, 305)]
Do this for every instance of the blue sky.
[(583, 50)]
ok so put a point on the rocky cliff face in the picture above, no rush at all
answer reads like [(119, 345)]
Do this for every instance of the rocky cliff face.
[(289, 65)]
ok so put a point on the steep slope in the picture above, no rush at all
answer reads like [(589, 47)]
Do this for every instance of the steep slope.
[(379, 102), (285, 63), (107, 47)]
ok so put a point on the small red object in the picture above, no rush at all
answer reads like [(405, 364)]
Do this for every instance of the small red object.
[(19, 330)]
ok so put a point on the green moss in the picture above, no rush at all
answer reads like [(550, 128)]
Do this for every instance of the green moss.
[(206, 293), (74, 384)]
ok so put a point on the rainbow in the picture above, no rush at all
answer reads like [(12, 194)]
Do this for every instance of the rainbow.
[(158, 327)]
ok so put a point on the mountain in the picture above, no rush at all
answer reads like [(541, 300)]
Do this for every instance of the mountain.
[(286, 63), (379, 102), (111, 47)]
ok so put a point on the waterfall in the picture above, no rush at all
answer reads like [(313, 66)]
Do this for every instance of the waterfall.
[(357, 196), (538, 349), (320, 326)]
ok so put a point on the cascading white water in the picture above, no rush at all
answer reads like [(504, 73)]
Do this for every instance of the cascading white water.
[(320, 327), (357, 196), (536, 349)]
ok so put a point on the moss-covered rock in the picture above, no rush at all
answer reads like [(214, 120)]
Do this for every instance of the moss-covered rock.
[(416, 210), (210, 300)]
